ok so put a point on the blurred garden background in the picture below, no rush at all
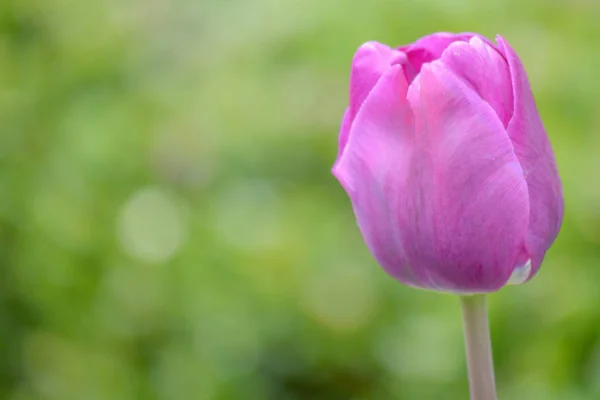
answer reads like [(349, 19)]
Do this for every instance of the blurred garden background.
[(170, 229)]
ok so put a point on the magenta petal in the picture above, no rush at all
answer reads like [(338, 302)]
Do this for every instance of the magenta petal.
[(344, 133), (370, 62), (534, 152), (427, 49), (486, 70), (435, 44), (464, 206), (373, 170)]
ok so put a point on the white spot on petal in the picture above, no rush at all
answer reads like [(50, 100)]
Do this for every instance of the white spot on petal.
[(520, 274), (476, 42)]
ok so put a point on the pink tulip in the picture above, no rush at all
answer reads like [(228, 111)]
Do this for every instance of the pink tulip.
[(447, 164)]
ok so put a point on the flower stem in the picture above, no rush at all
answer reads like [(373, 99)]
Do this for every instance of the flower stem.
[(478, 346)]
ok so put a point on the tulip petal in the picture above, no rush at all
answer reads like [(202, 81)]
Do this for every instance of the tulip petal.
[(370, 62), (534, 151), (429, 48), (486, 70), (373, 170), (464, 207), (344, 132)]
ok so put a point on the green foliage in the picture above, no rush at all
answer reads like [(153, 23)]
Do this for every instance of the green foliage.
[(170, 229)]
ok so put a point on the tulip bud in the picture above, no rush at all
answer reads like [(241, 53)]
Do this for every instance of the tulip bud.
[(447, 164)]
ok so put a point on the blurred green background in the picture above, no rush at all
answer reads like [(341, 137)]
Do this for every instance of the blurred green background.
[(170, 229)]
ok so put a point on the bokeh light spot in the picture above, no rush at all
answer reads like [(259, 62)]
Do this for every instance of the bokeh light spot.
[(151, 226)]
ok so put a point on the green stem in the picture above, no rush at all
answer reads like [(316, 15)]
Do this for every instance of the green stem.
[(478, 346)]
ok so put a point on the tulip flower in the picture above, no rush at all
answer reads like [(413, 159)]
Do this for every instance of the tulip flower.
[(447, 164)]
